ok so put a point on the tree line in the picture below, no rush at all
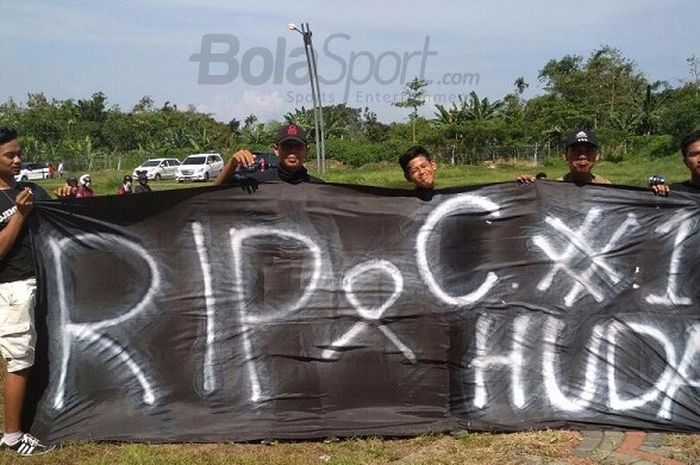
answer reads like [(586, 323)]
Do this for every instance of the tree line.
[(605, 91)]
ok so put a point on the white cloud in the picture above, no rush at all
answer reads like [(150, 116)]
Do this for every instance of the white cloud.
[(39, 21), (264, 105)]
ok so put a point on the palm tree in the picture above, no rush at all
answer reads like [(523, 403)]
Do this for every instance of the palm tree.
[(450, 119), (481, 110), (257, 135), (249, 121), (84, 147), (520, 85)]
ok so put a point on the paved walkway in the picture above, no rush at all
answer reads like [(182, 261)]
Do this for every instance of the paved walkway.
[(614, 448), (622, 448)]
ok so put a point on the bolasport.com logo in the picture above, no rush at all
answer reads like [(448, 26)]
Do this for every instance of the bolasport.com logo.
[(222, 61)]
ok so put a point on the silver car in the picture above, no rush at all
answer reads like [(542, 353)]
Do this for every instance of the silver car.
[(158, 168)]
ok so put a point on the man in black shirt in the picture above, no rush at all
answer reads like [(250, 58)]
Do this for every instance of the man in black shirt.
[(17, 291), (690, 149), (290, 147)]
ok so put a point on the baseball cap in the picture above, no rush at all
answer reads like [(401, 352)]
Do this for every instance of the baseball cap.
[(291, 132), (141, 175), (582, 136)]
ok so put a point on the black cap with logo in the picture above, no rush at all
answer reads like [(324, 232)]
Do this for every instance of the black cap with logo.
[(291, 132), (582, 136)]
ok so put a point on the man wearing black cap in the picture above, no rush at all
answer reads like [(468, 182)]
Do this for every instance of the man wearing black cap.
[(581, 153), (142, 187), (291, 148)]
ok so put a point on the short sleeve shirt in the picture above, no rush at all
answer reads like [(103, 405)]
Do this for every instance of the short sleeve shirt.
[(595, 180), (18, 263)]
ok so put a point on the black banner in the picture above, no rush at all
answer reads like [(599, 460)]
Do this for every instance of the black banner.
[(311, 311)]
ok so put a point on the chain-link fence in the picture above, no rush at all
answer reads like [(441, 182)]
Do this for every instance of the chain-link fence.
[(533, 153)]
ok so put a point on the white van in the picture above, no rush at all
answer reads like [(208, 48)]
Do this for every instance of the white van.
[(200, 167), (32, 170), (158, 168)]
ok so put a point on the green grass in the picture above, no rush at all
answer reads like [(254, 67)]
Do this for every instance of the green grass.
[(108, 181), (500, 449), (629, 172), (469, 449), (635, 173)]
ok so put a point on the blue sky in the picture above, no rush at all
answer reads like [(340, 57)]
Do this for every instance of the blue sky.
[(128, 49)]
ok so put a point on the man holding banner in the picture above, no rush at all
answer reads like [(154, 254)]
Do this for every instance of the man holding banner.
[(17, 291), (290, 147), (582, 152), (690, 149), (419, 169)]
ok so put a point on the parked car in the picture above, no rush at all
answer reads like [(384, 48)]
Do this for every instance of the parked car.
[(200, 167), (32, 170), (158, 168)]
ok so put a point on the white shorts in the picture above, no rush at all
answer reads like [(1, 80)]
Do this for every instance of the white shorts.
[(17, 333)]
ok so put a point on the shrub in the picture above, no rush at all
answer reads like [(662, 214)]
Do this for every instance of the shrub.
[(654, 146), (357, 153)]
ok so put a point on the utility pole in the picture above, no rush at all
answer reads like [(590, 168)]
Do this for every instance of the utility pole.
[(319, 135)]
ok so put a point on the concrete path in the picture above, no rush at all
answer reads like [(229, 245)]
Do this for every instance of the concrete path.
[(623, 448)]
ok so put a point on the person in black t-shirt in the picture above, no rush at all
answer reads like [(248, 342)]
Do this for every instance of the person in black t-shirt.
[(290, 147), (690, 149), (17, 291)]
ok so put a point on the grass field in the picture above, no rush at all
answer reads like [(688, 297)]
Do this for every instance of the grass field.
[(470, 449), (635, 173)]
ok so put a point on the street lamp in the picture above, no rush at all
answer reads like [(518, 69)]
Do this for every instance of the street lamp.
[(319, 135)]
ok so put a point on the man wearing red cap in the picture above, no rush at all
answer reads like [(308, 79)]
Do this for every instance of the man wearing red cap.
[(290, 147)]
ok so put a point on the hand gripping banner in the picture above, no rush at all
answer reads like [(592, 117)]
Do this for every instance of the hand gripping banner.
[(308, 311)]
